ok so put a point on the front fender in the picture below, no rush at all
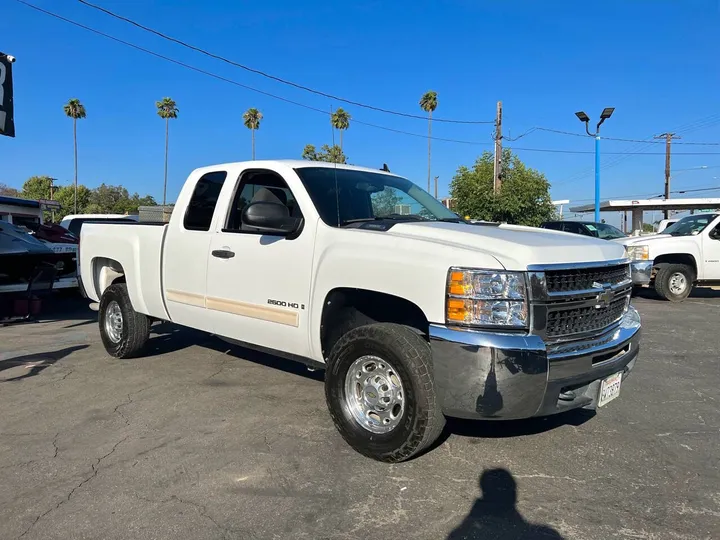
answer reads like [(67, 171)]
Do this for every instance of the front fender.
[(412, 269)]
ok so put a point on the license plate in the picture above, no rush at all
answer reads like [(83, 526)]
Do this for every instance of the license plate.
[(610, 389)]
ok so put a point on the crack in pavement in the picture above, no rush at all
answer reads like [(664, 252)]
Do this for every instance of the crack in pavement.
[(95, 471), (223, 364), (201, 509), (67, 375), (128, 401), (54, 443), (118, 411)]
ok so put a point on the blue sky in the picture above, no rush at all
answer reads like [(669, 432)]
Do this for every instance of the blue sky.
[(655, 61)]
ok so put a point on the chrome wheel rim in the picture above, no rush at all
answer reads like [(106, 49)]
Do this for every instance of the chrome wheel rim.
[(113, 322), (678, 283), (374, 394)]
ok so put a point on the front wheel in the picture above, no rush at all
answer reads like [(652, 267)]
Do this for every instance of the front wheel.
[(674, 282), (380, 391), (124, 331)]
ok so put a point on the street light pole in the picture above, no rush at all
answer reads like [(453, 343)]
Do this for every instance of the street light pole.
[(604, 115), (597, 176)]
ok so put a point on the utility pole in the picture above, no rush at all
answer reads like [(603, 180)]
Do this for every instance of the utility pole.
[(436, 182), (668, 142), (497, 166), (52, 181)]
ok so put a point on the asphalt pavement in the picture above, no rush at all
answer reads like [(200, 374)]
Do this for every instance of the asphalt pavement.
[(203, 440)]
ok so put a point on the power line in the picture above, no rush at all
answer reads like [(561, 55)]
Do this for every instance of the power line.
[(231, 81), (268, 75), (315, 109), (616, 138), (634, 149)]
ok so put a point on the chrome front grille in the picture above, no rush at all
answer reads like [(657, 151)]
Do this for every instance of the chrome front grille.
[(581, 320), (578, 301), (583, 279)]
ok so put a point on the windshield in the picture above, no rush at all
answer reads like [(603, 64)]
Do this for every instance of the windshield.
[(344, 196), (690, 225), (605, 231)]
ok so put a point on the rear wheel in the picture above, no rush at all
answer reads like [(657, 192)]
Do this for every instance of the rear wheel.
[(124, 331), (674, 282), (380, 391)]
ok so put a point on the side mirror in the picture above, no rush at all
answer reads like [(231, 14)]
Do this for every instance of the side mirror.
[(715, 233), (270, 218)]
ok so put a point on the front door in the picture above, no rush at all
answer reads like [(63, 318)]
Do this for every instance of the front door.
[(258, 285), (711, 251)]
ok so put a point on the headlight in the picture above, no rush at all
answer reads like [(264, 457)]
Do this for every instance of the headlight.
[(486, 298), (638, 253)]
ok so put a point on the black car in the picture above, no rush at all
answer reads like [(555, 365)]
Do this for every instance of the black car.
[(587, 228)]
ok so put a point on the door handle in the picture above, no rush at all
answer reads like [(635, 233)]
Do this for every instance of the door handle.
[(223, 254)]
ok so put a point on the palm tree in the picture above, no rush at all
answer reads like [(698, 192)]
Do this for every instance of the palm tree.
[(428, 103), (75, 110), (251, 119), (166, 109), (340, 120)]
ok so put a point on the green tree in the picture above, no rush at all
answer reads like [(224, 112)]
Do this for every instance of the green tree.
[(329, 154), (166, 110), (8, 191), (340, 120), (385, 201), (75, 110), (251, 119), (37, 187), (524, 198), (65, 195), (428, 103)]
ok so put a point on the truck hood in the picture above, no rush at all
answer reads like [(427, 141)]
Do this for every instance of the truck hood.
[(515, 247), (660, 244), (642, 240)]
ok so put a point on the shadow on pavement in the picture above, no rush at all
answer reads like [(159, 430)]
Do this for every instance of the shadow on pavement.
[(697, 293), (500, 429), (266, 359), (494, 515), (35, 363)]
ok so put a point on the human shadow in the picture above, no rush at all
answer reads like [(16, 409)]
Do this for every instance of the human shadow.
[(494, 515), (36, 363)]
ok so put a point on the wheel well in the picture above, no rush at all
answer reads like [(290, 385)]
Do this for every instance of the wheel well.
[(345, 309), (675, 258), (106, 272)]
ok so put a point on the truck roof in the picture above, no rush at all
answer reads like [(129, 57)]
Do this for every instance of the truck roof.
[(292, 163)]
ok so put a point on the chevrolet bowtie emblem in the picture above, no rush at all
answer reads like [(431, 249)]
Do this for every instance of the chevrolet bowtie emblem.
[(603, 299)]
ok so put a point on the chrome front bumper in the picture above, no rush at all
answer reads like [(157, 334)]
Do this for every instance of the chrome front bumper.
[(487, 375), (640, 271)]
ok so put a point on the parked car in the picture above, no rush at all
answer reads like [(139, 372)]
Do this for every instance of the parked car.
[(587, 228), (686, 254), (414, 316), (665, 223)]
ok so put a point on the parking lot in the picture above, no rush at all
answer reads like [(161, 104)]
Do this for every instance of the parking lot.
[(204, 440)]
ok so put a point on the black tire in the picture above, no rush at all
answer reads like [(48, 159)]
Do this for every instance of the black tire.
[(422, 420), (135, 326), (665, 273)]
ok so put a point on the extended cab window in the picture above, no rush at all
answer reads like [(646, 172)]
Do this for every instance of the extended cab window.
[(257, 186), (202, 203)]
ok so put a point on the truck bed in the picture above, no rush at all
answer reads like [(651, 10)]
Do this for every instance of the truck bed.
[(135, 249)]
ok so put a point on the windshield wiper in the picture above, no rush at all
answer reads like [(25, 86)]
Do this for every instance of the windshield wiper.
[(451, 220), (394, 217)]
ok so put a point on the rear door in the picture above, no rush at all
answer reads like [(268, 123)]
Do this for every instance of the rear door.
[(186, 252), (258, 285)]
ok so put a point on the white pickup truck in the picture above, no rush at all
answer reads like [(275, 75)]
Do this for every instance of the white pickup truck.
[(687, 253), (413, 313)]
